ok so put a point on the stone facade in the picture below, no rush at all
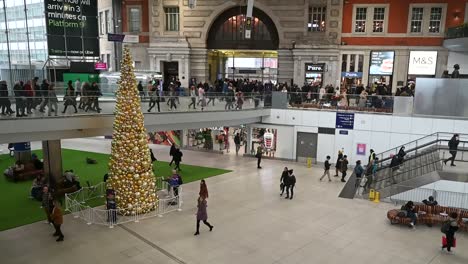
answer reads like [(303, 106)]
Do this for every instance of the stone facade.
[(297, 45)]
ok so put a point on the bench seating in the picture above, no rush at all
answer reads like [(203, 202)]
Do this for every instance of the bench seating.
[(430, 215), (30, 172)]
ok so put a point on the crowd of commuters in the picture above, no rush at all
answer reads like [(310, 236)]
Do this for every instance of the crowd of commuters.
[(30, 97)]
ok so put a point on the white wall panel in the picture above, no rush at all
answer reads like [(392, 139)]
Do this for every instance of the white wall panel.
[(363, 121), (326, 147), (345, 142), (421, 126), (327, 119), (397, 140), (401, 124), (310, 118), (277, 117), (361, 137), (460, 126), (382, 123), (293, 117), (380, 141), (442, 125)]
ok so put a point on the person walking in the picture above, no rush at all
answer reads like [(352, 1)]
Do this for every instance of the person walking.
[(5, 103), (259, 156), (45, 94), (290, 183), (171, 153), (202, 214), (237, 141), (193, 97), (338, 163), (46, 203), (358, 171), (283, 179), (177, 159), (371, 175), (154, 98), (70, 98), (29, 93), (326, 171), (449, 228), (344, 168), (57, 218), (153, 158), (453, 147), (52, 100), (20, 99), (203, 189)]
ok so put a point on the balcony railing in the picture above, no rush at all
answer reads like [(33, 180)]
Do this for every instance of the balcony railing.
[(457, 32)]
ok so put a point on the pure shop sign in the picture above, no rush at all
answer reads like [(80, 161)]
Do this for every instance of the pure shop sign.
[(315, 67), (422, 63)]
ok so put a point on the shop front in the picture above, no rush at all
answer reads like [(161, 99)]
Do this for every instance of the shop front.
[(351, 70), (314, 73), (216, 139), (266, 138), (381, 67), (422, 64)]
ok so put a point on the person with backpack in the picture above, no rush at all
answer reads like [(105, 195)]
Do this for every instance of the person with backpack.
[(326, 171), (344, 168), (449, 228), (338, 162), (453, 147), (358, 171)]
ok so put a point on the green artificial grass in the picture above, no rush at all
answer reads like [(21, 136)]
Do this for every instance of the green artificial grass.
[(18, 209)]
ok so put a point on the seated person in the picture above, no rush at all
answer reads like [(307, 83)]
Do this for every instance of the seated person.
[(174, 181), (410, 212), (71, 180), (19, 167), (36, 188), (38, 164), (431, 201)]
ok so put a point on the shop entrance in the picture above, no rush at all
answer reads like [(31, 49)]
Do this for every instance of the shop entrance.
[(171, 71), (234, 54), (306, 146)]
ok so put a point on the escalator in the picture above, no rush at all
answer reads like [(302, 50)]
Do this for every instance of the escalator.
[(422, 165)]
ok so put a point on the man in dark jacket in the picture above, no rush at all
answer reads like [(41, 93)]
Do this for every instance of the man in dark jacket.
[(19, 99), (171, 153), (344, 168), (237, 141), (177, 159), (394, 167), (5, 103), (453, 147)]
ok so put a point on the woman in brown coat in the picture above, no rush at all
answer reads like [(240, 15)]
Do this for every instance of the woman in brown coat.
[(202, 215), (57, 218)]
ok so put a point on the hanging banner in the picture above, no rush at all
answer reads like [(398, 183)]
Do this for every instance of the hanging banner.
[(72, 28)]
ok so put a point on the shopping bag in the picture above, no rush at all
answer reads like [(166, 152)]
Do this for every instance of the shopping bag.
[(444, 241)]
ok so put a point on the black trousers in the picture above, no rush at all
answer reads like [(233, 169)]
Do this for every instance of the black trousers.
[(152, 103), (66, 106), (58, 231), (20, 104), (29, 104), (193, 102), (259, 160), (172, 103), (205, 222), (343, 175), (210, 99), (177, 165), (450, 240), (452, 158), (290, 188)]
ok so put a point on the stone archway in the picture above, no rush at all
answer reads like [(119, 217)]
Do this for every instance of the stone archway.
[(228, 31)]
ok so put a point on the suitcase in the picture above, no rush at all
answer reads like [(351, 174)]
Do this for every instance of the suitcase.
[(444, 241)]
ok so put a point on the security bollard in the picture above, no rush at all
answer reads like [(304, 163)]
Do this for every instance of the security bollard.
[(371, 194), (377, 197), (309, 162)]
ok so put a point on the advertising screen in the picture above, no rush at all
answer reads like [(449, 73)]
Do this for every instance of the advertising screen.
[(72, 27), (422, 63), (381, 62)]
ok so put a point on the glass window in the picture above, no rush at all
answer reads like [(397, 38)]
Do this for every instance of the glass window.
[(101, 23), (134, 19), (435, 20), (360, 63), (417, 14), (172, 18), (317, 19), (108, 22), (360, 19), (344, 62), (352, 62), (379, 18)]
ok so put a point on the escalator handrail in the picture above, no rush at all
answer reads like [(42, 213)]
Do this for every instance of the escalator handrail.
[(421, 166)]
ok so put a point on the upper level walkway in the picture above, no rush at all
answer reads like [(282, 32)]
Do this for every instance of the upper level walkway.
[(70, 124)]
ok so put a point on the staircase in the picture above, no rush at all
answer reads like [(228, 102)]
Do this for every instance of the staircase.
[(422, 165)]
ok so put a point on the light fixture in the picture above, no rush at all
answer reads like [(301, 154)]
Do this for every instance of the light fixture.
[(456, 15)]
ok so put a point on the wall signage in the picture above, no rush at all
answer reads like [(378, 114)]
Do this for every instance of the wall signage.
[(422, 63), (344, 120), (381, 62), (100, 66), (315, 67), (351, 74)]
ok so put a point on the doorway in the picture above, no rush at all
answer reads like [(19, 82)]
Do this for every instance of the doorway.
[(171, 72), (306, 147)]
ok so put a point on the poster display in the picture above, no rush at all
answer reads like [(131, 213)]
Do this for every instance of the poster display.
[(381, 62), (72, 27), (361, 149), (422, 63), (167, 138)]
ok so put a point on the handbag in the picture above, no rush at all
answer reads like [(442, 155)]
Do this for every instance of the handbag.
[(444, 241)]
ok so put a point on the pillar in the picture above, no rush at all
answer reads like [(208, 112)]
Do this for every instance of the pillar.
[(22, 151), (52, 154)]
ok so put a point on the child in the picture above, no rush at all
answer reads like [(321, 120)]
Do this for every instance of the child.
[(327, 166)]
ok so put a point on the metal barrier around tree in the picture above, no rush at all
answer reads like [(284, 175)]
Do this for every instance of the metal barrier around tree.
[(76, 204)]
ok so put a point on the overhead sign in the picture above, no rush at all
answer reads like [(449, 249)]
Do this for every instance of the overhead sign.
[(315, 67), (22, 146), (72, 27), (422, 63), (344, 120), (381, 62), (123, 38)]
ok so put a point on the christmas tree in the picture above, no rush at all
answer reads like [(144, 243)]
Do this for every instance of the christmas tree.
[(130, 168)]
